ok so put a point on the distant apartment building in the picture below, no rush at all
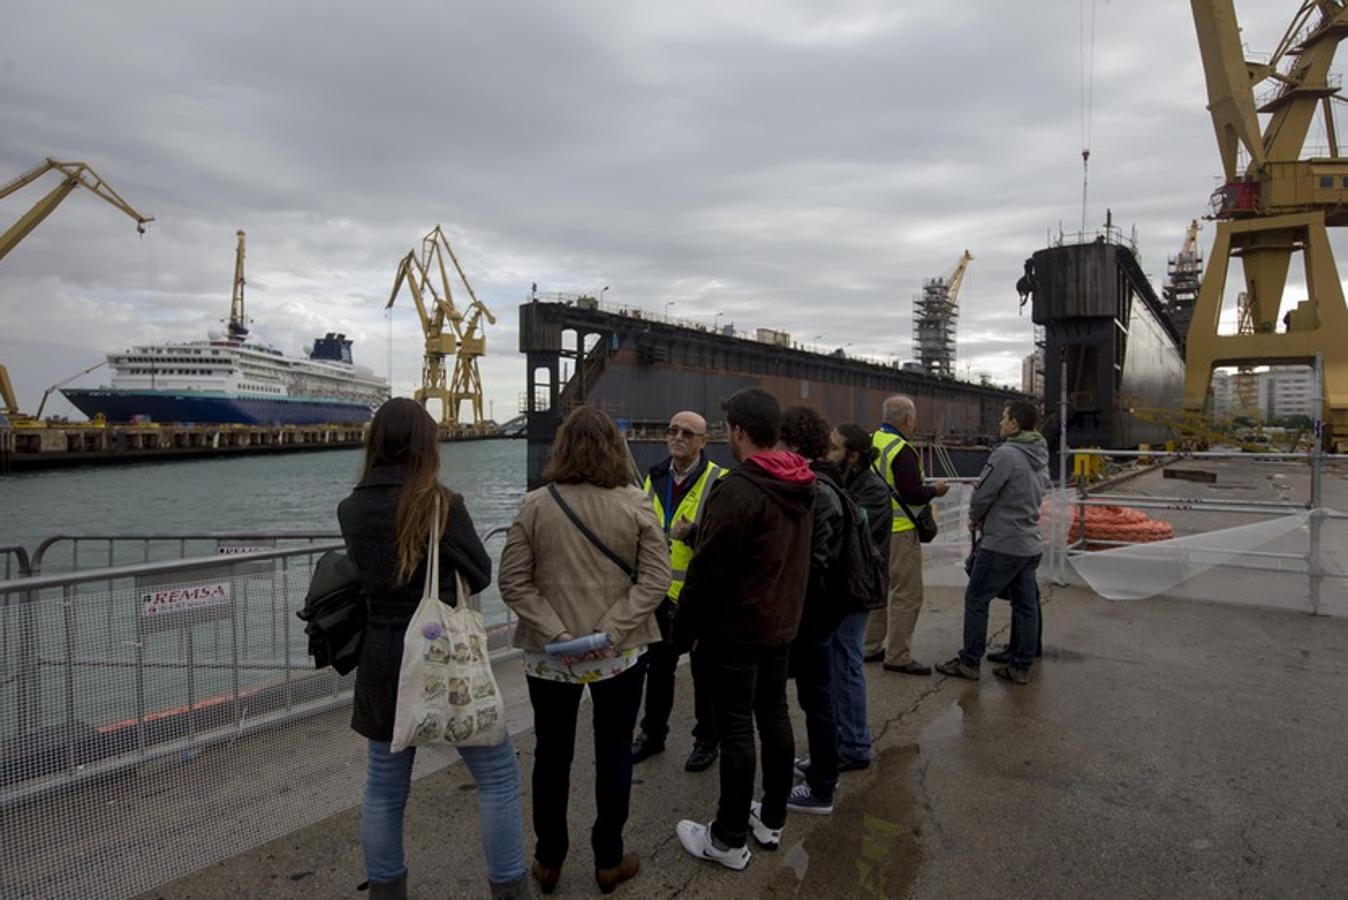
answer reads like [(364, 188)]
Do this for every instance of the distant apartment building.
[(1223, 393), (1287, 391), (1032, 373)]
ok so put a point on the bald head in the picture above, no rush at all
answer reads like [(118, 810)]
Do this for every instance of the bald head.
[(898, 410), (685, 437)]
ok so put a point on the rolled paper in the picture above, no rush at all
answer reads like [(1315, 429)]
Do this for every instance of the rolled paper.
[(579, 646)]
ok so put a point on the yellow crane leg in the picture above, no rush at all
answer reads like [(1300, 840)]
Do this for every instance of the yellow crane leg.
[(31, 219), (1319, 327)]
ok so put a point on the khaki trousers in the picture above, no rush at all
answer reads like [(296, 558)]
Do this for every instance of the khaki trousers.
[(891, 629)]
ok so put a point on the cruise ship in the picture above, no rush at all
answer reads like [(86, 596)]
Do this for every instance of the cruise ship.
[(230, 380)]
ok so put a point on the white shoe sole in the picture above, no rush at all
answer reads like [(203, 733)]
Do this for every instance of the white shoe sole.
[(697, 842), (811, 810), (773, 838)]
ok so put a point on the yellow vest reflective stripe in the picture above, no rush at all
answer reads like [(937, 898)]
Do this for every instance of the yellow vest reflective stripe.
[(889, 446), (690, 507)]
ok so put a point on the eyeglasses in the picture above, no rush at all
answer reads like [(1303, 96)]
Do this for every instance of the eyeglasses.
[(689, 433)]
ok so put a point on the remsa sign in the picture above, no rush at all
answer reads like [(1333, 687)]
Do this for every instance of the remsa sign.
[(169, 600)]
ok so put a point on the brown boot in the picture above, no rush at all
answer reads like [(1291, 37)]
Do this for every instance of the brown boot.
[(608, 879), (546, 876)]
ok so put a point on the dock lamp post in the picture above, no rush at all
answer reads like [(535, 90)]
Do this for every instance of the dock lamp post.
[(668, 304), (716, 322), (601, 295)]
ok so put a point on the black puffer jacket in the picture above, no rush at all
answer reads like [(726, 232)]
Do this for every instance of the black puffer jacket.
[(368, 520), (872, 494)]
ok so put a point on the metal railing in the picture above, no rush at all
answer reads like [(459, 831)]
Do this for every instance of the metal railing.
[(132, 694), (1308, 563)]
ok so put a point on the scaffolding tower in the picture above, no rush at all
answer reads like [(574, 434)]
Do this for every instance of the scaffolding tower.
[(935, 315), (1184, 277)]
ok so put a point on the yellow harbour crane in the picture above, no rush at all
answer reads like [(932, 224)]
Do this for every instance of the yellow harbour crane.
[(238, 321), (448, 330), (1278, 204), (76, 174)]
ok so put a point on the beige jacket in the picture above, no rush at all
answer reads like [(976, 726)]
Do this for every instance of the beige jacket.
[(556, 580)]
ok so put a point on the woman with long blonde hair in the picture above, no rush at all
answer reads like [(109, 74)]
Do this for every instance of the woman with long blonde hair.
[(386, 524)]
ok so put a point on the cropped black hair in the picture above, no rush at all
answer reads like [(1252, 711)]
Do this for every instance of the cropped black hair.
[(757, 412)]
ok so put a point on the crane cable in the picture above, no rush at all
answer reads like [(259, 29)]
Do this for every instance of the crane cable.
[(1087, 105)]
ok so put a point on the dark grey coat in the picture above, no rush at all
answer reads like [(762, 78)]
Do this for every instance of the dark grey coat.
[(368, 520)]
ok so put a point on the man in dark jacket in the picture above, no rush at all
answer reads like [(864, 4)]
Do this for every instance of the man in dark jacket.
[(742, 602), (1005, 506)]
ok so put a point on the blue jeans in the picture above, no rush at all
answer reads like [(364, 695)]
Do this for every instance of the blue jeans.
[(388, 778), (993, 573), (849, 688)]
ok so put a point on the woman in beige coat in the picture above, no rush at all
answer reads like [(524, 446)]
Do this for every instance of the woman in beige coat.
[(561, 585)]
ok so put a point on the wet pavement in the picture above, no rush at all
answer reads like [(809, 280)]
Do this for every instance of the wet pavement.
[(1163, 748)]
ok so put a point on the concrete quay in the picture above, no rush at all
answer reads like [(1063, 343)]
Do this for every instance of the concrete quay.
[(1163, 748)]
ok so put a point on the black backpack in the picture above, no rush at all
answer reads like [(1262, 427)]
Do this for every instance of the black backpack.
[(859, 578)]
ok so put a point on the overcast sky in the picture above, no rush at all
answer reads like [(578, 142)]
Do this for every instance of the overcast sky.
[(793, 165)]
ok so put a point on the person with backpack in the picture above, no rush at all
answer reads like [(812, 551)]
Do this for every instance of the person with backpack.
[(806, 432), (851, 450)]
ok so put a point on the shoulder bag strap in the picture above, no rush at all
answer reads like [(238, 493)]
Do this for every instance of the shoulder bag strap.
[(591, 536), (431, 585), (898, 498)]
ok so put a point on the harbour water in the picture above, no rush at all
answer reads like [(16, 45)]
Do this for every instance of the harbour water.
[(289, 492)]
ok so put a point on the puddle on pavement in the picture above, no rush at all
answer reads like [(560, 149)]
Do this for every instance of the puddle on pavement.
[(872, 845)]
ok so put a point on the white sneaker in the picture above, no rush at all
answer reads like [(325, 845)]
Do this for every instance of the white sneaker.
[(768, 838), (697, 840)]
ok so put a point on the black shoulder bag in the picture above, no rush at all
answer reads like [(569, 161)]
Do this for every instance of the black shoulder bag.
[(924, 522), (591, 536)]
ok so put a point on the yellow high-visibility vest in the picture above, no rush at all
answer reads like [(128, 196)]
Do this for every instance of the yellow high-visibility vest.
[(889, 446), (690, 508)]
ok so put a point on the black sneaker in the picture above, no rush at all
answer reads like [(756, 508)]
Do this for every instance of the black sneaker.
[(701, 758), (645, 746), (1000, 657), (853, 765)]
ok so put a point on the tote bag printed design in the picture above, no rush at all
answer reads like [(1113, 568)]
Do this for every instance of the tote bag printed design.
[(446, 690)]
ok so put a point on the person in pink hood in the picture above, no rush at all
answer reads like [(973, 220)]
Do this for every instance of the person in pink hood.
[(742, 602)]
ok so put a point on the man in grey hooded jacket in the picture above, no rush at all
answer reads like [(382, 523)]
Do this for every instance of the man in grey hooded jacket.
[(1005, 506)]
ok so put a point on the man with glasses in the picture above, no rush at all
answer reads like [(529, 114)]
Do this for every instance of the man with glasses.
[(678, 489)]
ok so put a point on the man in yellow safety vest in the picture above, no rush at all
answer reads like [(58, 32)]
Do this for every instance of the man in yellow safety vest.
[(889, 633), (678, 489)]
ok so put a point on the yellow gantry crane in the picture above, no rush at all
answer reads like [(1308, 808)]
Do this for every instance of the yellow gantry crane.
[(448, 331), (76, 174), (238, 320), (1277, 205)]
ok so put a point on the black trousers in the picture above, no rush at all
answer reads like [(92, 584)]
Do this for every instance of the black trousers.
[(556, 704), (812, 667), (749, 686), (662, 660)]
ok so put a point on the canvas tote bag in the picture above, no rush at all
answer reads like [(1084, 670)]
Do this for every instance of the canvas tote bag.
[(447, 693)]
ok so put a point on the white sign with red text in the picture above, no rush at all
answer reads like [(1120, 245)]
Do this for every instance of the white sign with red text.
[(170, 599)]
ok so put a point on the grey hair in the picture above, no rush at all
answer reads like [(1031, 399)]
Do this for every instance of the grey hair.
[(898, 408)]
